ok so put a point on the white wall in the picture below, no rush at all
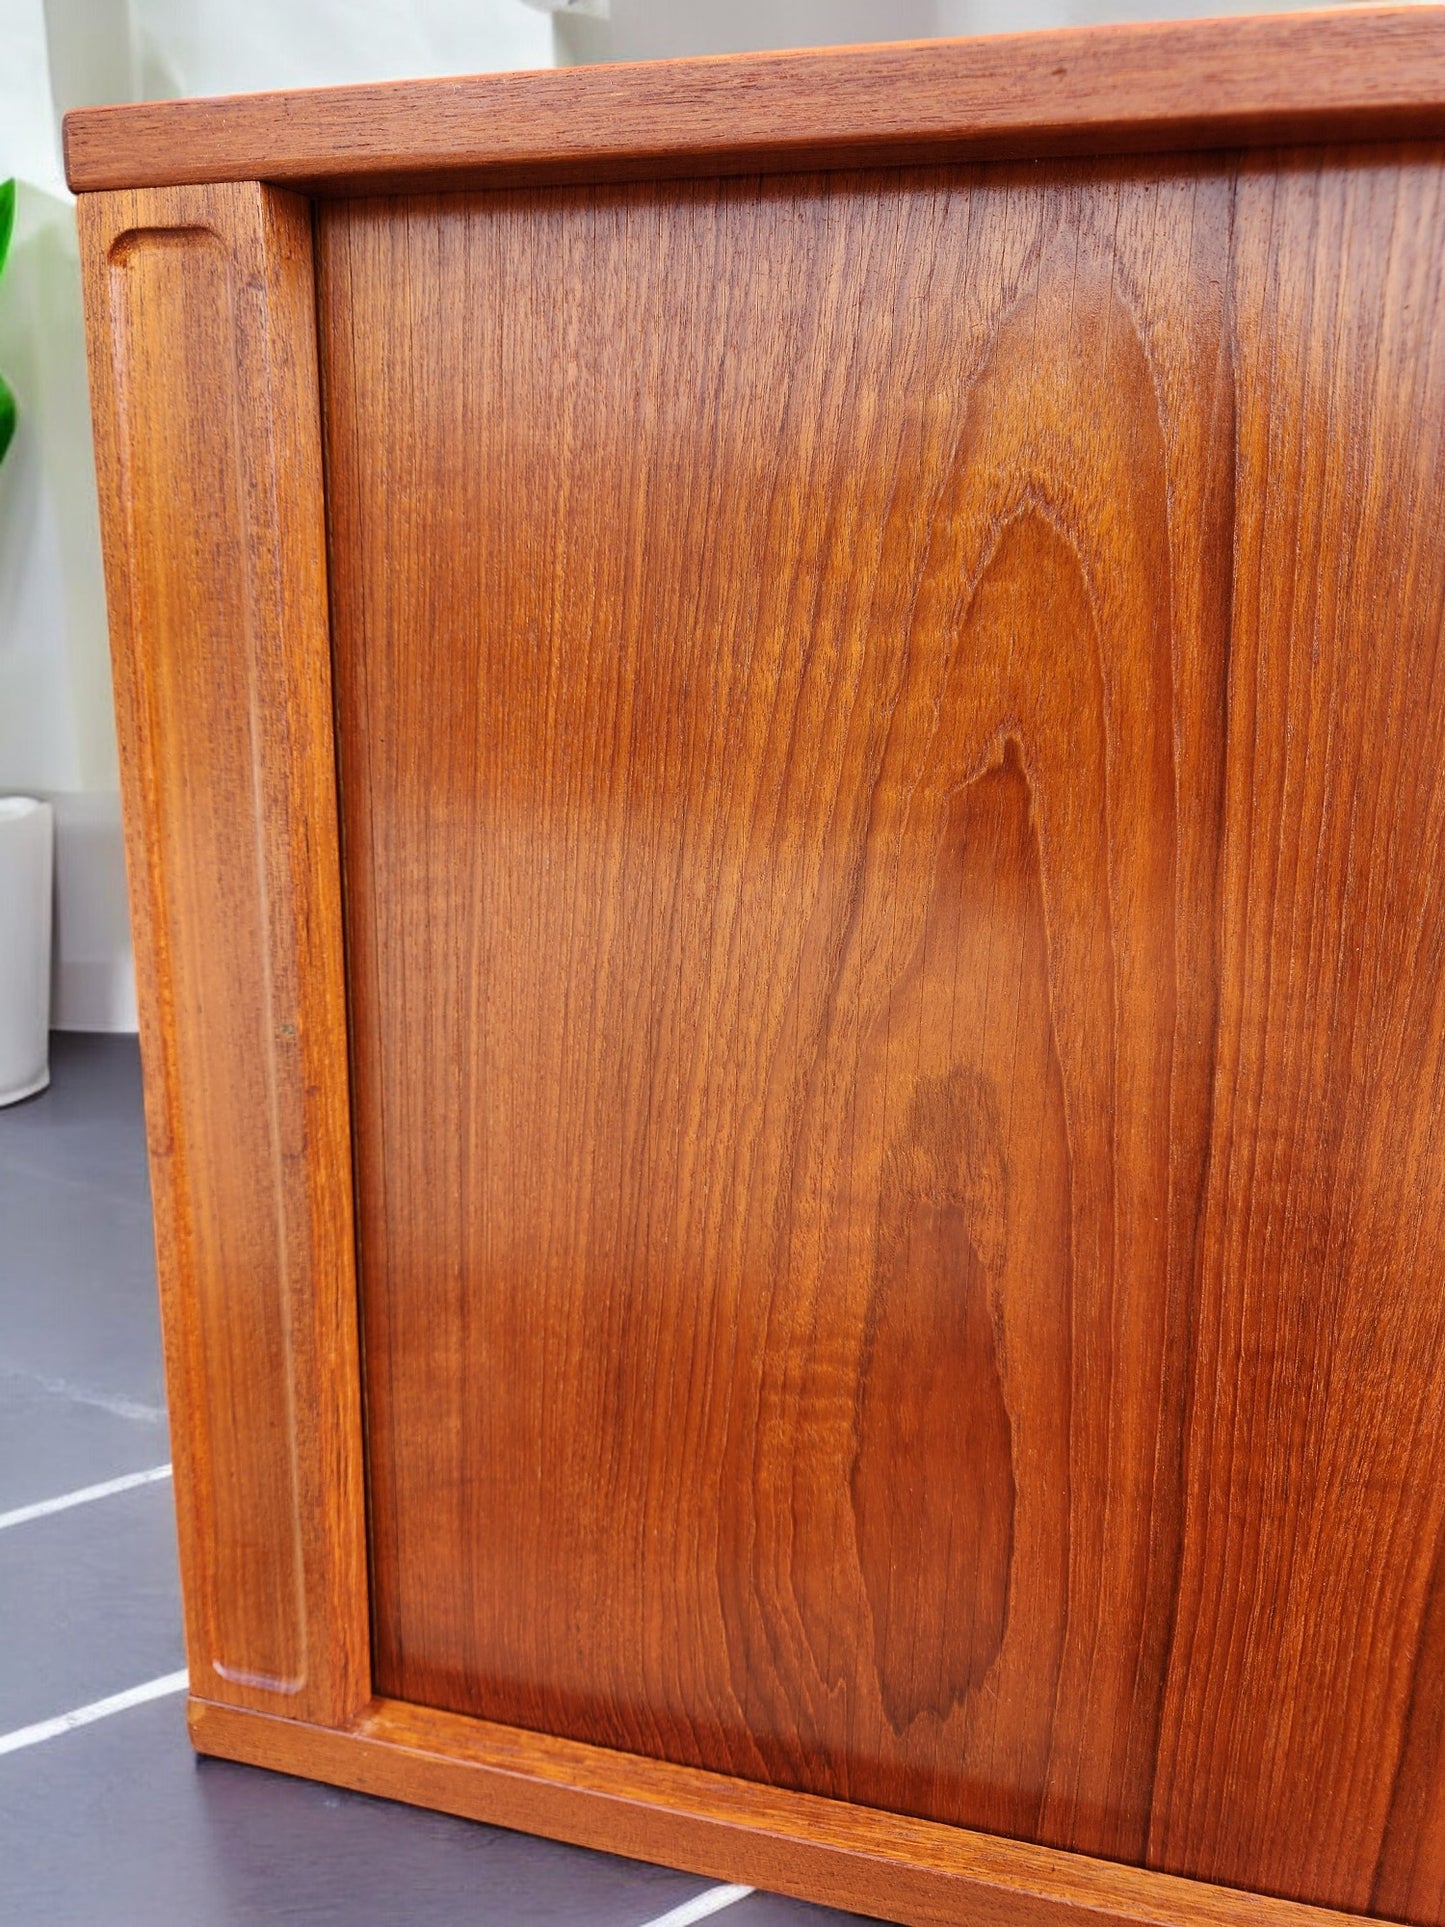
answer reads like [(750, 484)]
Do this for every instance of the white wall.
[(56, 738), (653, 29), (1023, 16), (657, 29), (237, 46)]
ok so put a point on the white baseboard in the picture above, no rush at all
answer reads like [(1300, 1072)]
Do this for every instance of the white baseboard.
[(92, 983), (93, 996)]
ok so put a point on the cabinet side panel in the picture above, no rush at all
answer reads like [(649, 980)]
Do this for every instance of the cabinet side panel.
[(203, 368)]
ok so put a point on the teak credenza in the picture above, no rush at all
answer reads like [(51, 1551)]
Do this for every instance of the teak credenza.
[(783, 725)]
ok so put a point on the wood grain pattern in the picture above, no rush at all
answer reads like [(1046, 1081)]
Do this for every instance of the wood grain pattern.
[(894, 935), (1349, 74), (890, 728), (200, 308), (908, 1871), (1305, 1646)]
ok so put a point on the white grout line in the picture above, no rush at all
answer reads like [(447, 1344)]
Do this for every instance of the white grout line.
[(44, 1507), (701, 1907), (153, 1689), (118, 1407)]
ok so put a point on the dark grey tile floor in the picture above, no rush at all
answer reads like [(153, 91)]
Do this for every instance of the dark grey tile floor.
[(116, 1821)]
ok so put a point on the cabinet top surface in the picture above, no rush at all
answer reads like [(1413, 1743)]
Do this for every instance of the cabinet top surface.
[(1350, 74)]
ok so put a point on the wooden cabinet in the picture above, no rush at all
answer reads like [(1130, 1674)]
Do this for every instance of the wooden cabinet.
[(784, 737)]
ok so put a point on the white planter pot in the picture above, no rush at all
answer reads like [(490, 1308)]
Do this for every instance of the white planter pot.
[(26, 844)]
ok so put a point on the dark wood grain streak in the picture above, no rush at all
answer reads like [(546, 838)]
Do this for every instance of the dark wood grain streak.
[(201, 320), (1352, 73), (894, 975), (877, 1864)]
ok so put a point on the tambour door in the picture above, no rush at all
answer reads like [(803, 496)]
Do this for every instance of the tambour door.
[(891, 753)]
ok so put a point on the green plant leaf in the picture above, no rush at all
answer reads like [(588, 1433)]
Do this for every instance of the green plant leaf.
[(7, 400), (7, 417)]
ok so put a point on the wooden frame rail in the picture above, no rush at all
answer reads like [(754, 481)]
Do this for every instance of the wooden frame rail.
[(1353, 74)]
